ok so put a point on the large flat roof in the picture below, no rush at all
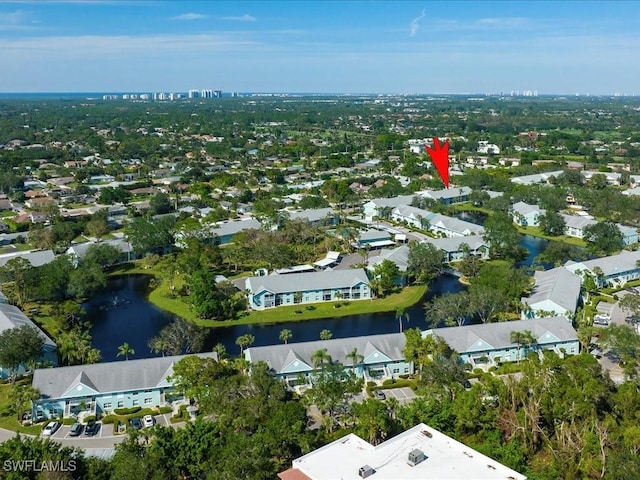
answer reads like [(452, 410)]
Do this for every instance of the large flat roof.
[(446, 458)]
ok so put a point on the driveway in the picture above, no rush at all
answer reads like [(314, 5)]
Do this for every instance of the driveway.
[(404, 395)]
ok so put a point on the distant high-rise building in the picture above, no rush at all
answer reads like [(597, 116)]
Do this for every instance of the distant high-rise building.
[(206, 94), (217, 93), (194, 93)]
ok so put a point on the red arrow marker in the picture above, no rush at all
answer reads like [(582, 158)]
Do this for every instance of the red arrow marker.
[(440, 158)]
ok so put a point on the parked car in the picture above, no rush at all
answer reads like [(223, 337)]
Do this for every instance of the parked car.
[(50, 429), (601, 319), (92, 428), (148, 420), (379, 395), (75, 430), (136, 423)]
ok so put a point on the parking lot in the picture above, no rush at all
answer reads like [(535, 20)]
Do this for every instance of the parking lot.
[(104, 437)]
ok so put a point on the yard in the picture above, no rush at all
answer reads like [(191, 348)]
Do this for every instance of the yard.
[(8, 419)]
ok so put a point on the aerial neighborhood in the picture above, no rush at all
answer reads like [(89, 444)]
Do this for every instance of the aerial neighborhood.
[(365, 299)]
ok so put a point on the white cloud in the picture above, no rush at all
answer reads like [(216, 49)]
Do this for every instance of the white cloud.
[(189, 16), (415, 23), (242, 18)]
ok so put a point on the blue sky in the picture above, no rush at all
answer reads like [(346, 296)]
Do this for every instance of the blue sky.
[(320, 46)]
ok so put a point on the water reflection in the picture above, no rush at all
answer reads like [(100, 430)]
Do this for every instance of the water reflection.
[(122, 314)]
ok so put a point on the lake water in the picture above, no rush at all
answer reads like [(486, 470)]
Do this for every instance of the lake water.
[(122, 314)]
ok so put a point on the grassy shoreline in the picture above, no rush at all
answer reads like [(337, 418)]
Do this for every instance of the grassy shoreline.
[(160, 297)]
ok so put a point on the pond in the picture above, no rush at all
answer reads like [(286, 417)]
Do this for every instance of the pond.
[(122, 314)]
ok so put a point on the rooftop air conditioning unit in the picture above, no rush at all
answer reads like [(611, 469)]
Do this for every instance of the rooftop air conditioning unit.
[(365, 471), (415, 457)]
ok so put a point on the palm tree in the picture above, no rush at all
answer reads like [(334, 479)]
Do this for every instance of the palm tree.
[(285, 335), (125, 350), (243, 341), (355, 357), (326, 334), (400, 314), (320, 358)]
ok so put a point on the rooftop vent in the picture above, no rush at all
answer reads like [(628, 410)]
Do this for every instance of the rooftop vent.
[(415, 457), (365, 471)]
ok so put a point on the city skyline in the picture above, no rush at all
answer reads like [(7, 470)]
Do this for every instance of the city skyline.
[(325, 47)]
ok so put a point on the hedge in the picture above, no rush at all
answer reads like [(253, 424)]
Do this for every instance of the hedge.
[(127, 411)]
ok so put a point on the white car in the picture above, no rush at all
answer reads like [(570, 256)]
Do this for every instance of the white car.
[(148, 420), (50, 429)]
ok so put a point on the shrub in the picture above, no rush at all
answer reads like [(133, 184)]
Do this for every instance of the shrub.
[(109, 419), (389, 381), (311, 307), (91, 417), (371, 384), (163, 410), (127, 411), (69, 421)]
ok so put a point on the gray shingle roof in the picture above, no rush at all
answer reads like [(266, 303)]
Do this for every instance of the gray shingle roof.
[(313, 215), (452, 244), (399, 256), (498, 335), (393, 202), (558, 285), (524, 208), (123, 376), (280, 356), (625, 261), (578, 221), (231, 228), (456, 225), (13, 317), (297, 282), (447, 193), (373, 234), (35, 258), (80, 249)]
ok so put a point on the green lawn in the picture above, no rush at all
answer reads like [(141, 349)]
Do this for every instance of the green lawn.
[(536, 232), (179, 306), (8, 419)]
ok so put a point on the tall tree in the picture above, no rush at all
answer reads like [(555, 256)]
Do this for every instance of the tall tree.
[(20, 346), (502, 236), (603, 238), (245, 341), (285, 335), (425, 262), (125, 350)]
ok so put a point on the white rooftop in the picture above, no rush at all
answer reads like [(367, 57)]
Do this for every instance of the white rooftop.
[(446, 458)]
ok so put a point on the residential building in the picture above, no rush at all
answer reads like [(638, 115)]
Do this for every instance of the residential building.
[(536, 178), (36, 258), (373, 239), (300, 288), (526, 215), (575, 224), (331, 259), (227, 230), (615, 270), (79, 250), (556, 292), (316, 216), (456, 248), (418, 453), (378, 357), (486, 344), (103, 387), (414, 216), (613, 178), (382, 207), (453, 227), (448, 196), (13, 317), (399, 256), (485, 147)]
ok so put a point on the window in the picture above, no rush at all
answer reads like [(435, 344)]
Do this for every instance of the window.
[(136, 402), (406, 369), (326, 295), (147, 401), (356, 294), (106, 405), (396, 370), (120, 404)]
